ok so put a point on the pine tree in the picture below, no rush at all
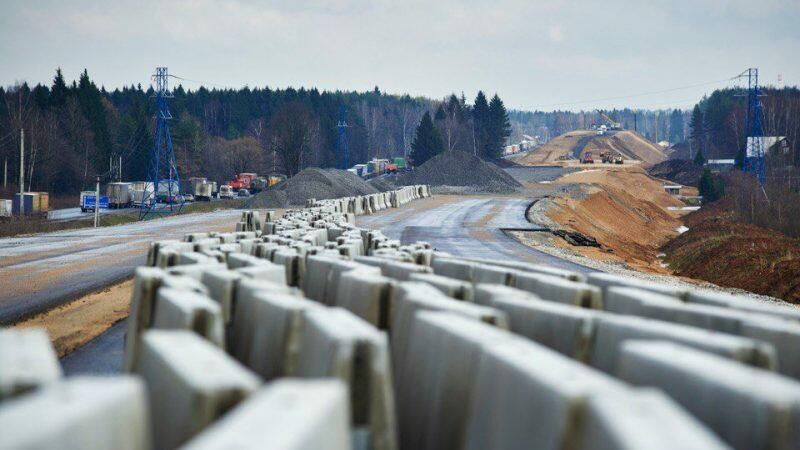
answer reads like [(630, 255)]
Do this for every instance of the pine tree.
[(699, 160), (480, 119), (427, 141), (59, 91), (91, 101), (697, 131), (499, 129)]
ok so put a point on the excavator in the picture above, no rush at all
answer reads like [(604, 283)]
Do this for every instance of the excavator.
[(611, 124)]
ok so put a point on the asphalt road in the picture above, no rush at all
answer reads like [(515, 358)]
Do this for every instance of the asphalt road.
[(42, 271)]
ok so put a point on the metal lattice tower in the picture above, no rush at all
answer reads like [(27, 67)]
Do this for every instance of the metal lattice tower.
[(342, 151), (754, 150), (163, 184)]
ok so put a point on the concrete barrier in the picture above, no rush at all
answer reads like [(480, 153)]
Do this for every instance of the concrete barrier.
[(487, 274), (633, 301), (28, 361), (435, 390), (607, 280), (409, 298), (530, 268), (79, 413), (185, 310), (565, 329), (318, 272), (612, 330), (402, 271), (647, 420), (290, 260), (146, 283), (190, 384), (559, 289), (458, 289), (453, 268), (367, 296), (286, 414), (527, 396), (747, 407), (744, 303), (336, 343), (222, 284), (783, 335)]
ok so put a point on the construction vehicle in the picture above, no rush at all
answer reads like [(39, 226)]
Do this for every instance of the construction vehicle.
[(587, 158), (243, 180), (610, 158)]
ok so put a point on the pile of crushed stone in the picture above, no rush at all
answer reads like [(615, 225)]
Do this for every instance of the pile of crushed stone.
[(311, 183), (461, 169)]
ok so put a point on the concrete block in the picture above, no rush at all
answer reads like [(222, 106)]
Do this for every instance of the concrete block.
[(147, 281), (286, 414), (647, 420), (402, 271), (195, 270), (290, 260), (531, 268), (409, 298), (748, 408), (611, 330), (190, 384), (28, 361), (265, 271), (783, 335), (607, 280), (191, 258), (453, 267), (563, 328), (632, 301), (528, 396), (367, 296), (155, 247), (744, 303), (458, 289), (206, 244), (435, 389), (486, 274), (221, 285), (79, 413), (559, 289), (185, 310), (335, 343), (194, 237), (267, 329)]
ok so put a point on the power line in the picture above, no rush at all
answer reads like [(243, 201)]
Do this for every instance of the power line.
[(642, 94), (202, 83)]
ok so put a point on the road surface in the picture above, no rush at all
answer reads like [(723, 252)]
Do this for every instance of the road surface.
[(45, 270)]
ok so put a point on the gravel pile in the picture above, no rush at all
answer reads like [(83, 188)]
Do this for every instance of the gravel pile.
[(311, 183), (382, 184), (462, 169)]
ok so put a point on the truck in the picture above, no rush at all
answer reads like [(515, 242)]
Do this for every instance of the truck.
[(119, 195), (400, 162), (226, 191), (203, 191), (88, 202), (587, 158), (242, 180)]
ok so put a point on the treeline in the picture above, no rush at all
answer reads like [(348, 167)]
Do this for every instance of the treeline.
[(656, 125)]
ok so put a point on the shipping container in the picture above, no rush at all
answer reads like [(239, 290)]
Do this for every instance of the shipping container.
[(30, 203), (44, 201)]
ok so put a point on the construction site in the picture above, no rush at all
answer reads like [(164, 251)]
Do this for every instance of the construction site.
[(188, 265)]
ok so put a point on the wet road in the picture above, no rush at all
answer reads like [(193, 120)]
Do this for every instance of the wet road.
[(46, 270), (466, 226)]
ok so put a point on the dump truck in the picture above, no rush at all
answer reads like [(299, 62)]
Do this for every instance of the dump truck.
[(119, 195), (587, 158), (242, 180)]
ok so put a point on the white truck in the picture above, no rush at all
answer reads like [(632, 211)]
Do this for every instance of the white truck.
[(226, 191), (119, 195)]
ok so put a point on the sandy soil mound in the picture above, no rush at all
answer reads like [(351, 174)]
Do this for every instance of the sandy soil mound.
[(462, 169), (311, 183), (572, 145), (625, 210)]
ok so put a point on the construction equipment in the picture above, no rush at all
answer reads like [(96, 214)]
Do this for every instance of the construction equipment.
[(610, 158), (587, 158), (243, 180)]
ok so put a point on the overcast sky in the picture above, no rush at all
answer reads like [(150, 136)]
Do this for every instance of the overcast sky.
[(536, 54)]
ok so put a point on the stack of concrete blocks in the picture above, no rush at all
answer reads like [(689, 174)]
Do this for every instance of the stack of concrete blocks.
[(27, 361)]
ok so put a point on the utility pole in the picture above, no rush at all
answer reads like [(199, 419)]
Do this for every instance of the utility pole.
[(5, 173), (97, 202), (21, 171), (120, 168)]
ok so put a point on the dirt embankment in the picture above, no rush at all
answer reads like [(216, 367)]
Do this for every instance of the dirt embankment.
[(630, 145), (74, 324), (625, 209), (729, 253)]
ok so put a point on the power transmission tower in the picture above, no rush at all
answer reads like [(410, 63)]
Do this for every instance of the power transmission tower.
[(342, 151), (163, 183), (754, 150)]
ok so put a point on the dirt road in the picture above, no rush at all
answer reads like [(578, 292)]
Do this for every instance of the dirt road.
[(46, 270)]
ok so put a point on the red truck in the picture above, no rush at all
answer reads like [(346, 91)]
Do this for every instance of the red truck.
[(243, 180), (587, 158)]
